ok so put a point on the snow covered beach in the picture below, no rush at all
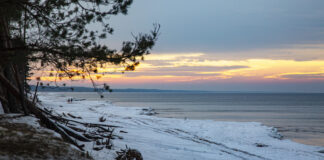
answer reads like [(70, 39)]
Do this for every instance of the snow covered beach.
[(167, 138)]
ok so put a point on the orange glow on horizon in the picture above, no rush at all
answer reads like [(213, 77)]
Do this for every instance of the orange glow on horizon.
[(197, 67)]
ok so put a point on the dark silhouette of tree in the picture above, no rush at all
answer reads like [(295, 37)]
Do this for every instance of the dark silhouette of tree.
[(56, 34)]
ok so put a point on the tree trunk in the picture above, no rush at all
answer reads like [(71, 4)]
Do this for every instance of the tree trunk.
[(9, 102)]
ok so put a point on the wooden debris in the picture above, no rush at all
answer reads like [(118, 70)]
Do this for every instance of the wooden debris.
[(83, 123), (74, 134), (75, 117), (102, 119), (67, 128), (76, 129), (98, 148), (261, 145), (121, 131)]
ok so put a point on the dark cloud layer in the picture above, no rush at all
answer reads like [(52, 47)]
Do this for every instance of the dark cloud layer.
[(224, 25)]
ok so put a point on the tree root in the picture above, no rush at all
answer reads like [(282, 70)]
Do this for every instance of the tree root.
[(55, 123)]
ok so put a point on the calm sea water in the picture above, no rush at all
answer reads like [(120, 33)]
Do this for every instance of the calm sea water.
[(299, 117)]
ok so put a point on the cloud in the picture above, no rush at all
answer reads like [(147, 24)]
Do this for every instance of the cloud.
[(182, 71), (171, 56), (301, 52), (304, 76), (182, 66), (197, 69)]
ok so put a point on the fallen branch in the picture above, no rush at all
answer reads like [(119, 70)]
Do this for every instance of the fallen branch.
[(68, 133), (50, 124), (62, 119), (104, 129), (77, 129), (75, 117), (95, 137), (35, 93), (74, 134)]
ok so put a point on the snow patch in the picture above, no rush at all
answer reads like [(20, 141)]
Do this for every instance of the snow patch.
[(168, 138)]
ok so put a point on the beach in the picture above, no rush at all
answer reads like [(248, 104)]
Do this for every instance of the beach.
[(172, 138)]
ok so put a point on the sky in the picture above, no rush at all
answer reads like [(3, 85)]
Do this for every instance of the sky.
[(224, 45)]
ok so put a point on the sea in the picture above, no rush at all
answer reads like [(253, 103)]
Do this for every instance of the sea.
[(297, 116)]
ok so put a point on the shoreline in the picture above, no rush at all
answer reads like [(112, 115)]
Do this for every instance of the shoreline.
[(170, 138), (289, 135), (306, 132)]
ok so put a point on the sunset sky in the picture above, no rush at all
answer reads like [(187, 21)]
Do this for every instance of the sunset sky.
[(224, 45)]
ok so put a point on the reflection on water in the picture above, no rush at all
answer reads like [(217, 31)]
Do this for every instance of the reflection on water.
[(297, 116)]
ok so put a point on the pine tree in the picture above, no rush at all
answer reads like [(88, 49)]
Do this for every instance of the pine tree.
[(55, 33)]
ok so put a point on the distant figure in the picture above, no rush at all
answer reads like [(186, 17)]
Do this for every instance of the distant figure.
[(101, 96), (70, 100)]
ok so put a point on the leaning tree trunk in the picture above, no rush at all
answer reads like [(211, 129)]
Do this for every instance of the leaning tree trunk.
[(10, 70)]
